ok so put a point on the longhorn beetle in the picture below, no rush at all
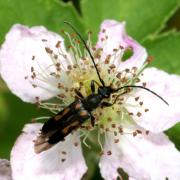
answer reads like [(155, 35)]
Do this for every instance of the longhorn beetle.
[(74, 115)]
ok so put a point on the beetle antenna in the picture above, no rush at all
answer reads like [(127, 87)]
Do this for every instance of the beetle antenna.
[(88, 50), (141, 87)]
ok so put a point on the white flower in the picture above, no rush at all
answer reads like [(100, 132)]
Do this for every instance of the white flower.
[(36, 67)]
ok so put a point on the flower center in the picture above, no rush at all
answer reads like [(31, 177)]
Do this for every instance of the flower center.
[(76, 70)]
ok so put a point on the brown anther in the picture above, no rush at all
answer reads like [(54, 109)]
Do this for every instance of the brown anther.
[(97, 56), (78, 41), (149, 59), (113, 125), (123, 80), (73, 35), (131, 114), (147, 132), (58, 44), (33, 57), (121, 47), (115, 49), (76, 144), (106, 37), (69, 47), (55, 56), (115, 133), (32, 69), (134, 133), (94, 48), (134, 68), (107, 60), (101, 126), (109, 153), (116, 140), (141, 103), (26, 77), (136, 98), (144, 84), (48, 50), (120, 130), (146, 110), (69, 67), (112, 66), (127, 70), (102, 39), (138, 131), (64, 152), (61, 95), (103, 30), (58, 64), (44, 40), (34, 86), (109, 119), (138, 114), (107, 129), (119, 75), (62, 160), (75, 66)]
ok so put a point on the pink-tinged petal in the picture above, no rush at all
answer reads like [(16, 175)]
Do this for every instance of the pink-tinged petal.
[(144, 157), (118, 39), (22, 54), (64, 161), (5, 170), (159, 116)]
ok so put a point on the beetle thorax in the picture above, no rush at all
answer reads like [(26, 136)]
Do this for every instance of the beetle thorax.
[(105, 91)]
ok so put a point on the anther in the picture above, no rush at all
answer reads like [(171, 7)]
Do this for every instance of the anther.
[(136, 98), (64, 152), (144, 84), (33, 57), (138, 114), (62, 160), (116, 140), (48, 50), (58, 44), (138, 131), (61, 95), (146, 110), (134, 133), (113, 125), (109, 153)]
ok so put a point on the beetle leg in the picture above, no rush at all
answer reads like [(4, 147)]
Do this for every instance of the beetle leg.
[(92, 86), (92, 120), (106, 104), (79, 94)]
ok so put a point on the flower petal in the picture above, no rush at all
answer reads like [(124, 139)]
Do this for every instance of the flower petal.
[(144, 157), (63, 161), (23, 56), (159, 116), (113, 36), (5, 170)]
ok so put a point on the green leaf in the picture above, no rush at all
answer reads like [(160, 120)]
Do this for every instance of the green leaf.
[(166, 52), (174, 135), (49, 13), (143, 18), (3, 112)]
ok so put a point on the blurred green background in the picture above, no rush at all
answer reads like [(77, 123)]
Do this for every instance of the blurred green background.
[(155, 24)]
